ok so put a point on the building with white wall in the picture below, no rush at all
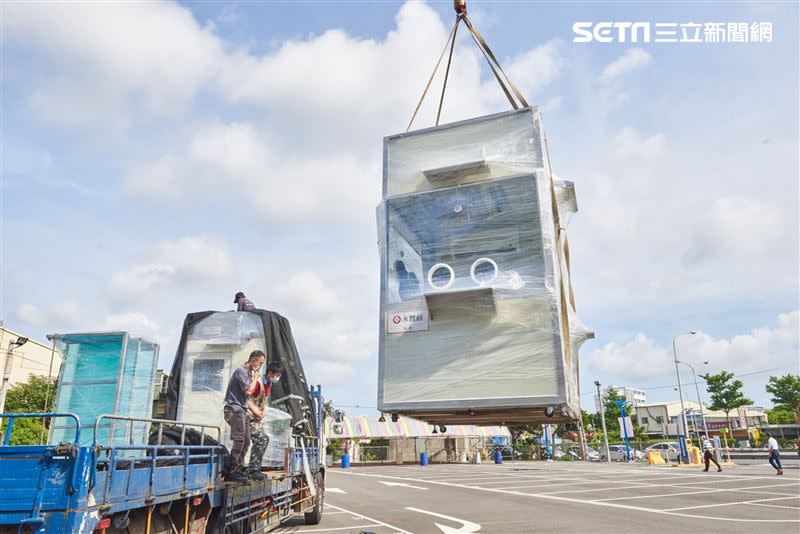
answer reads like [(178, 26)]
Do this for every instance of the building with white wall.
[(635, 396), (31, 358), (662, 418)]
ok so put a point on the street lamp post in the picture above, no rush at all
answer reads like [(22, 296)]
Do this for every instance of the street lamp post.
[(8, 366), (603, 420), (697, 389), (678, 373)]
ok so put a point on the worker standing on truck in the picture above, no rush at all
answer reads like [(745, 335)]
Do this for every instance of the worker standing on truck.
[(243, 303), (258, 412), (237, 403)]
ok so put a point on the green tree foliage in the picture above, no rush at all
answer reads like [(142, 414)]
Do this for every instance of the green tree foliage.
[(785, 391), (612, 411), (524, 432), (726, 393), (779, 416), (29, 397)]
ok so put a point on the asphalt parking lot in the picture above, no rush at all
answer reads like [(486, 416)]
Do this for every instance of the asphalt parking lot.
[(560, 497)]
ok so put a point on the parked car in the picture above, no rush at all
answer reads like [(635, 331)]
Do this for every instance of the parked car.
[(574, 451), (618, 454), (667, 449)]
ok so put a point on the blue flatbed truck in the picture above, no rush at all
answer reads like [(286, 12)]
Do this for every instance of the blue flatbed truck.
[(173, 483), (151, 489)]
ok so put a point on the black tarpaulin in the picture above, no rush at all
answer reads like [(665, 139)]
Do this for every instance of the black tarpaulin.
[(279, 346)]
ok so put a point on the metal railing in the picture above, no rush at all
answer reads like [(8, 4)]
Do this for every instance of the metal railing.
[(160, 422), (14, 416)]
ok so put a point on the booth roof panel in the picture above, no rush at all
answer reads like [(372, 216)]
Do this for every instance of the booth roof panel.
[(368, 426)]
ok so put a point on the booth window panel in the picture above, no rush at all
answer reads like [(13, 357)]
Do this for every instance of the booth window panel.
[(207, 375), (487, 149), (222, 328), (458, 226), (91, 357)]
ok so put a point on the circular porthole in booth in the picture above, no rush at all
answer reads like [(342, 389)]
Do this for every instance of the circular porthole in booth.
[(441, 276), (483, 271)]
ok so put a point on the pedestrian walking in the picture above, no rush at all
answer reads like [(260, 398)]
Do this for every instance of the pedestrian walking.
[(774, 454), (708, 454)]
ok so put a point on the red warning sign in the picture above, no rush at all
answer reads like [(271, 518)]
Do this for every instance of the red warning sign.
[(407, 321)]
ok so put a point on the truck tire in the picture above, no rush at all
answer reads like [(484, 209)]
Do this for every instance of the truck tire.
[(315, 516)]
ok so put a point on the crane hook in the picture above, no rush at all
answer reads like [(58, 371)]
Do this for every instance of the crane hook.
[(460, 6)]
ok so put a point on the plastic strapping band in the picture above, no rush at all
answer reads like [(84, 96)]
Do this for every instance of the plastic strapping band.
[(447, 69), (491, 54), (433, 74), (564, 316), (477, 40), (569, 271)]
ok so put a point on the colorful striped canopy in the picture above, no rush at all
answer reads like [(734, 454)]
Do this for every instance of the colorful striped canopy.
[(368, 426)]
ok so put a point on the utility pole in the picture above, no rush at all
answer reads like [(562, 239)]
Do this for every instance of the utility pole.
[(699, 401), (603, 419), (680, 389), (7, 369)]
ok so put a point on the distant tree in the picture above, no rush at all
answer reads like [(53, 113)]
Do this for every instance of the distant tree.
[(785, 391), (726, 393), (779, 416), (29, 397), (613, 411), (521, 432)]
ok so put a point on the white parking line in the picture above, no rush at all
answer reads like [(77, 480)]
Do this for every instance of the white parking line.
[(587, 502), (772, 505), (381, 523), (339, 528), (699, 492), (728, 504)]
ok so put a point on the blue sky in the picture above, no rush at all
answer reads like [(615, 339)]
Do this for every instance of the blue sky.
[(158, 157)]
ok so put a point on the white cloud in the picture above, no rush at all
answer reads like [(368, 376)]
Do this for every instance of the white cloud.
[(308, 292), (30, 313), (629, 143), (535, 69), (641, 359), (67, 313), (738, 227), (331, 373), (62, 314), (137, 324), (330, 319), (632, 60), (280, 185), (170, 264), (114, 59), (553, 104)]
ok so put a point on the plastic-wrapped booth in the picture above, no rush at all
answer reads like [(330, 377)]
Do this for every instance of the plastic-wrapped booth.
[(212, 346), (478, 320), (104, 373)]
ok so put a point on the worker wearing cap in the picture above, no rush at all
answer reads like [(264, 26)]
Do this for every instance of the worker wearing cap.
[(243, 303), (258, 413)]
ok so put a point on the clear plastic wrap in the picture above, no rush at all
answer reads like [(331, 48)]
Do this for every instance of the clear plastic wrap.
[(476, 301), (215, 347), (278, 426), (105, 373)]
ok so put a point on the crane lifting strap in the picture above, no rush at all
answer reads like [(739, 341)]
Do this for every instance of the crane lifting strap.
[(504, 81)]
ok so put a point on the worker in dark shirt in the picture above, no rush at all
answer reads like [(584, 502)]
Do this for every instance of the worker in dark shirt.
[(242, 385), (243, 303)]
